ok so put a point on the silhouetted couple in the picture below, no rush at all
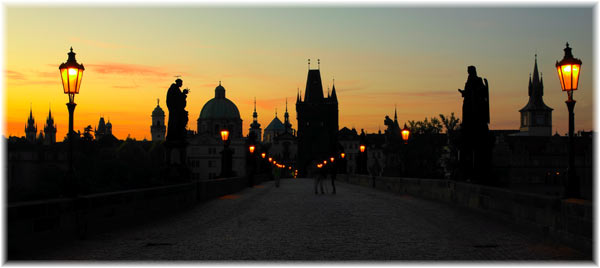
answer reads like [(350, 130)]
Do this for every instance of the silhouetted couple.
[(320, 174)]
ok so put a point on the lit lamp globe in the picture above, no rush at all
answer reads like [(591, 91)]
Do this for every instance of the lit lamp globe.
[(362, 148), (251, 148), (224, 135), (405, 134), (71, 73), (568, 72), (343, 155), (331, 158), (263, 155)]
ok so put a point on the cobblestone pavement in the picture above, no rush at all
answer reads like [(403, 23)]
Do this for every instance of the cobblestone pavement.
[(292, 223)]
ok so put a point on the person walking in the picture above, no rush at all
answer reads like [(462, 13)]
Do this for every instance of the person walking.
[(276, 175)]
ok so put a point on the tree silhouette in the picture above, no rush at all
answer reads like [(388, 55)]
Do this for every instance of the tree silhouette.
[(87, 134)]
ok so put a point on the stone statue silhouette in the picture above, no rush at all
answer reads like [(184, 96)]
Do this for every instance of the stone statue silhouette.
[(392, 128), (475, 146), (175, 143), (178, 116)]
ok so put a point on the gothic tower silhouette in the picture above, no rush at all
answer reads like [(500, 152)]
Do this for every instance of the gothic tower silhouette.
[(255, 126), (536, 116), (158, 128), (317, 122), (50, 130), (30, 128)]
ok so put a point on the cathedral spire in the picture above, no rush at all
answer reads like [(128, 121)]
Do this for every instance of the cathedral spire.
[(333, 94), (536, 77), (255, 114), (395, 113)]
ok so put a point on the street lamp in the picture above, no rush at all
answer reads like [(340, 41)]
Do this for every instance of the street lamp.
[(343, 155), (71, 73), (362, 160), (263, 155), (331, 158), (568, 74), (405, 134), (224, 135), (226, 159), (251, 149)]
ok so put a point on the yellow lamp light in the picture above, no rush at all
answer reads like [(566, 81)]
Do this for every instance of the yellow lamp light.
[(405, 133), (224, 135), (568, 71), (71, 73)]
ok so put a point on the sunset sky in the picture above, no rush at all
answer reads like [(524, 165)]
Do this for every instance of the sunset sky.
[(415, 58)]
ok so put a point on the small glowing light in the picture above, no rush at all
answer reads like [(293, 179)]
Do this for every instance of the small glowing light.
[(251, 148), (331, 159), (362, 148), (72, 71), (270, 159), (263, 155), (224, 135), (343, 155)]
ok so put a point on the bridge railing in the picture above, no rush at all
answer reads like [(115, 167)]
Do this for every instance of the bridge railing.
[(567, 220), (43, 222)]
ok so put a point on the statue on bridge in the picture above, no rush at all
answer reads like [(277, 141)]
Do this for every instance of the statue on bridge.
[(178, 116), (475, 146), (176, 132)]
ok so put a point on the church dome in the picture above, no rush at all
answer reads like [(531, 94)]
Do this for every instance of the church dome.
[(275, 125), (219, 107)]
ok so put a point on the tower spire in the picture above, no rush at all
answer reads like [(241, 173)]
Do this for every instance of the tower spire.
[(309, 64), (333, 94), (318, 64), (395, 113), (255, 115)]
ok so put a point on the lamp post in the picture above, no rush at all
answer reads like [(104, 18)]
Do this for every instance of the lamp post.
[(362, 159), (226, 159), (405, 134), (71, 73), (568, 74)]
